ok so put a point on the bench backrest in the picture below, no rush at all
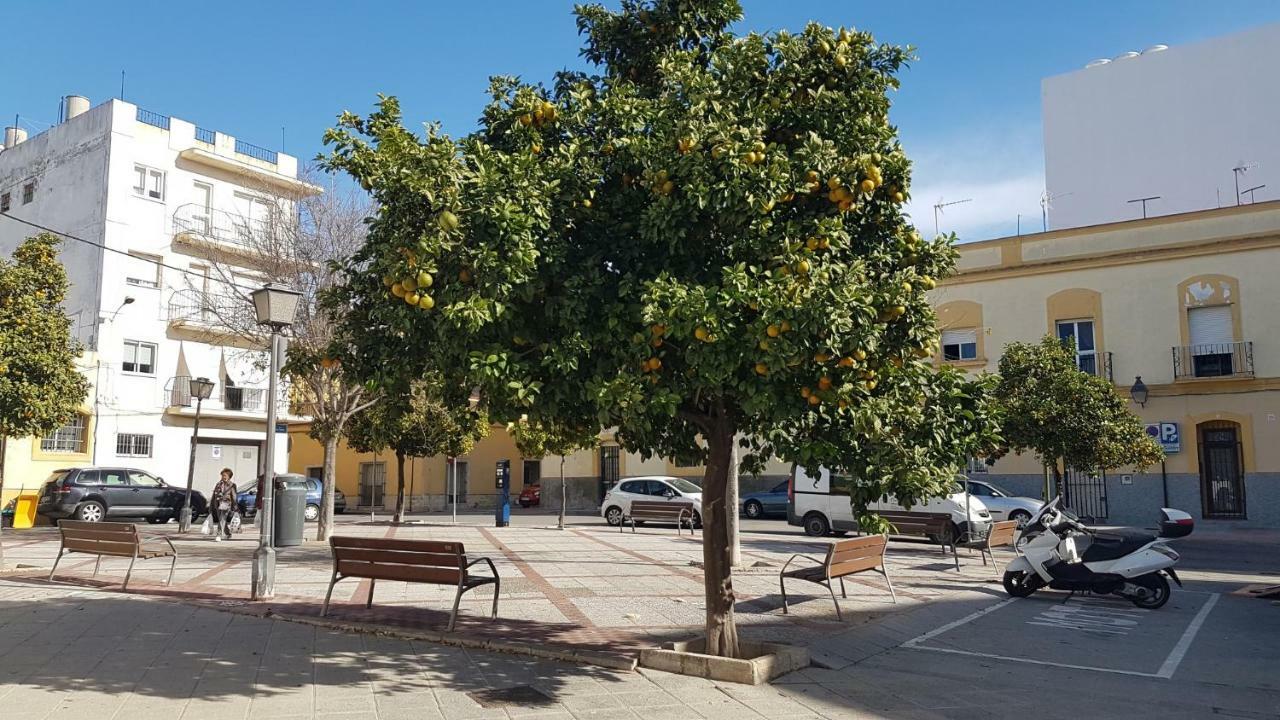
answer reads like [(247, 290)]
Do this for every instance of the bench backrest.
[(101, 538), (916, 523), (659, 508), (1002, 533), (845, 557), (426, 561)]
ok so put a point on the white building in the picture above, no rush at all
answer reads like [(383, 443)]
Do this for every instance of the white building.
[(1167, 123), (172, 206)]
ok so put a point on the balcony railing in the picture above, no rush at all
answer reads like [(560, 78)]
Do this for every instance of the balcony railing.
[(1233, 359), (208, 137), (1097, 364), (257, 153), (211, 309), (263, 235), (224, 397), (154, 119)]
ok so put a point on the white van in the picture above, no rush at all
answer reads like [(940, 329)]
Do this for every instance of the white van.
[(813, 505)]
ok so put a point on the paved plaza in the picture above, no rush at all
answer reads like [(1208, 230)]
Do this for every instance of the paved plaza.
[(953, 647)]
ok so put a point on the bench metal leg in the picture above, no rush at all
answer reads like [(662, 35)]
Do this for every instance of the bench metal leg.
[(54, 569), (782, 585), (96, 564), (453, 616), (834, 601), (369, 603), (172, 566), (497, 586), (325, 610), (894, 595), (843, 594), (128, 572)]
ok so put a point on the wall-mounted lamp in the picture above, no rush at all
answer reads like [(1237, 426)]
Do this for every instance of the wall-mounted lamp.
[(1139, 391)]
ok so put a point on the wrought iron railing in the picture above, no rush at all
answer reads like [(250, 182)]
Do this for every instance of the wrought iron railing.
[(211, 309), (153, 118), (258, 153), (263, 235), (208, 137), (1233, 359), (1097, 364), (225, 397)]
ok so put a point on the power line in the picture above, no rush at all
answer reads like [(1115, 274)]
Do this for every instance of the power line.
[(126, 253)]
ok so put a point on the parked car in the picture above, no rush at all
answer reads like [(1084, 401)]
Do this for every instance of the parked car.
[(1003, 504), (617, 501), (531, 496), (248, 499), (94, 494), (766, 503), (821, 505)]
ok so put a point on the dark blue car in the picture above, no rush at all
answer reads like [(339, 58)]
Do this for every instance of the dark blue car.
[(248, 499), (766, 503)]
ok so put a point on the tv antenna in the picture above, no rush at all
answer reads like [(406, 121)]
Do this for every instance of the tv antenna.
[(937, 210), (1249, 192), (1144, 202), (1241, 168), (1046, 202)]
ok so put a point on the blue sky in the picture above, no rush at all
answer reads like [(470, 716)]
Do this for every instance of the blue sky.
[(969, 109)]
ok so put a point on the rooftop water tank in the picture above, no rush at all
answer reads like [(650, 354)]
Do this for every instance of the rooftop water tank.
[(14, 136), (75, 105)]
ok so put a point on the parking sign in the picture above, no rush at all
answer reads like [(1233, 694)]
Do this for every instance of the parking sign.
[(1167, 434)]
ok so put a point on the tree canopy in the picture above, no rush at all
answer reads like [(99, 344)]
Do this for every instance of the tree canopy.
[(702, 237), (1051, 408)]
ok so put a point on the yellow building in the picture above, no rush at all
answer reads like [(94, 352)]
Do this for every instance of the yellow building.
[(1186, 302)]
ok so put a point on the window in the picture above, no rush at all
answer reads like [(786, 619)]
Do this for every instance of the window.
[(139, 357), (202, 207), (960, 344), (980, 490), (141, 479), (28, 193), (1081, 331), (148, 182), (976, 465), (112, 477), (133, 445), (4, 203), (67, 439), (142, 270), (532, 472), (1212, 340)]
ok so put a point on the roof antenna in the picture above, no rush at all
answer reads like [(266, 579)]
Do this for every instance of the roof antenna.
[(937, 210), (1144, 203), (1241, 168), (1249, 192), (121, 84), (1046, 202)]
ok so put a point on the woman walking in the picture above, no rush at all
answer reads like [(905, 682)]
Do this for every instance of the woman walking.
[(224, 504)]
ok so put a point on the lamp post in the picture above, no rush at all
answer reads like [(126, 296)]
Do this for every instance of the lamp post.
[(200, 388), (275, 307)]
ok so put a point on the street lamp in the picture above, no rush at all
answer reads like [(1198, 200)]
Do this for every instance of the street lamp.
[(1139, 391), (275, 307), (200, 388)]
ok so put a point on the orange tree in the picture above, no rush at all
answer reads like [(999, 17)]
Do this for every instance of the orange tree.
[(703, 238)]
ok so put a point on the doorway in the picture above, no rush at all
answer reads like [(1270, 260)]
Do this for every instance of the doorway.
[(1221, 470), (608, 469), (1086, 494), (373, 484)]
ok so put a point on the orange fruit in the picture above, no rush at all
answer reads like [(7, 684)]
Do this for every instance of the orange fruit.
[(425, 302), (824, 383), (814, 399), (772, 331), (658, 330), (762, 369), (860, 355), (702, 334), (785, 326)]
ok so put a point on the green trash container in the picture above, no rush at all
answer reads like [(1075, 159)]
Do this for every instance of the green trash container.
[(290, 507)]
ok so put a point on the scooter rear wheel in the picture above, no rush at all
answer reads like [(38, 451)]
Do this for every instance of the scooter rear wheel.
[(1157, 588), (1021, 584)]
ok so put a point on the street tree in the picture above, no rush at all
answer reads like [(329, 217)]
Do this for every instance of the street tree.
[(701, 238), (544, 438), (1068, 418), (413, 421), (40, 387)]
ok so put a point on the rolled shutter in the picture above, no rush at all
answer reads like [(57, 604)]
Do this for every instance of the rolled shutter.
[(960, 337), (1210, 329)]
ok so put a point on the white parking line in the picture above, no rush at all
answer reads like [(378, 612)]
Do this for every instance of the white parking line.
[(1184, 643)]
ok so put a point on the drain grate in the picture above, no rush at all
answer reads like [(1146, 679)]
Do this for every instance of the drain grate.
[(518, 696)]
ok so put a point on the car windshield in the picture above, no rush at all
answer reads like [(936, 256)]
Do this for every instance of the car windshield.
[(682, 485), (57, 476), (999, 491)]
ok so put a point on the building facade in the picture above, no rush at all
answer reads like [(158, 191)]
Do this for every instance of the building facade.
[(1186, 302), (160, 219)]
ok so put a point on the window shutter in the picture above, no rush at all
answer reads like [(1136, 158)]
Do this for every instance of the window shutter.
[(960, 337), (1210, 326)]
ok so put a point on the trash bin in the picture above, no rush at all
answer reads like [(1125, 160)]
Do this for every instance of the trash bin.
[(290, 506), (24, 511)]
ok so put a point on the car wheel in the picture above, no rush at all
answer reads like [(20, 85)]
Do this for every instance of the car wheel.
[(815, 525), (613, 515), (753, 510), (91, 511), (1022, 517), (157, 520), (697, 520), (311, 513)]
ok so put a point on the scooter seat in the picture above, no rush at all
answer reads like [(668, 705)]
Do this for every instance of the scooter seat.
[(1113, 544)]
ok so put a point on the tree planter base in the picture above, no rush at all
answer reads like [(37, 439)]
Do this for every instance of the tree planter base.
[(760, 662)]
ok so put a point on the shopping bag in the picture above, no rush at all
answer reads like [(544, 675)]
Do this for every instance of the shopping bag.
[(235, 524), (206, 527)]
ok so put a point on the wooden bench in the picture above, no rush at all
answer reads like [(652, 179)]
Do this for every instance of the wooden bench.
[(414, 561), (844, 557), (660, 511), (1002, 534), (115, 540)]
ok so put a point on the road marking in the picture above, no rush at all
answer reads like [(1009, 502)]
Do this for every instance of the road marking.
[(1184, 643), (1033, 662), (1083, 615), (913, 642)]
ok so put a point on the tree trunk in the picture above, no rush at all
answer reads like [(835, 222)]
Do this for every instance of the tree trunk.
[(4, 447), (731, 505), (324, 528), (1058, 484), (564, 494), (722, 630), (399, 516)]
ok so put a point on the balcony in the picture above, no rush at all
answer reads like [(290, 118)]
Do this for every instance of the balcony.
[(1096, 364), (226, 401), (1214, 360), (191, 308), (209, 229)]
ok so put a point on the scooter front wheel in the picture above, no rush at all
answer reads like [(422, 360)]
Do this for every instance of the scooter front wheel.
[(1156, 591), (1020, 584)]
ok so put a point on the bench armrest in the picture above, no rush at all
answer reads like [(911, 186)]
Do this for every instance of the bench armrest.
[(486, 560), (152, 536), (810, 558)]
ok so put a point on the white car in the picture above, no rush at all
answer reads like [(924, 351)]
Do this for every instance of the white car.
[(617, 501), (1002, 504), (821, 505)]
